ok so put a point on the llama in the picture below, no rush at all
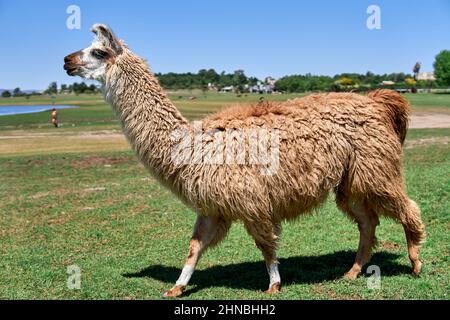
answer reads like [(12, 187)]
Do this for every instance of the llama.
[(342, 142)]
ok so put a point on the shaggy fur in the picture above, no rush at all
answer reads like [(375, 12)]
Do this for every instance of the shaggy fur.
[(341, 142)]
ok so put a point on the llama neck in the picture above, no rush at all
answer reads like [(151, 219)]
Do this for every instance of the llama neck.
[(147, 115)]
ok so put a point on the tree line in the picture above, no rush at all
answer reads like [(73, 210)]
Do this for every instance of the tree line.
[(77, 88), (349, 81), (205, 79), (369, 80), (309, 82)]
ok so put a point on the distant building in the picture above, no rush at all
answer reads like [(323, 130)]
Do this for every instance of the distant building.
[(387, 83), (261, 88), (270, 81), (426, 76), (212, 86), (227, 89)]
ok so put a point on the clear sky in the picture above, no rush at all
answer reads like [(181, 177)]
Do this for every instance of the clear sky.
[(262, 37)]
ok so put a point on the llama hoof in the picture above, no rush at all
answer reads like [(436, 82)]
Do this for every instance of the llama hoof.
[(174, 292), (417, 267), (416, 272), (275, 288), (351, 275)]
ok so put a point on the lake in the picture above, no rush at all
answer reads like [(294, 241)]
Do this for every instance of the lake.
[(9, 110)]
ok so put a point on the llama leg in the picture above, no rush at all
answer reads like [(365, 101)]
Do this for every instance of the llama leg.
[(367, 223), (415, 234), (266, 236), (208, 231), (401, 208)]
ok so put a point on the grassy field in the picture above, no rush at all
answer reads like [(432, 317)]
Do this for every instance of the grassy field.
[(77, 195)]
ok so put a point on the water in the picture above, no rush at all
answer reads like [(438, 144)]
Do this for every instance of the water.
[(9, 110)]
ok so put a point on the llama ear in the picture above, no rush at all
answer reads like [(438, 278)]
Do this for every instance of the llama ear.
[(107, 38)]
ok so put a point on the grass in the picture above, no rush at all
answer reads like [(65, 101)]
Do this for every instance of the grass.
[(437, 102), (90, 203), (94, 111)]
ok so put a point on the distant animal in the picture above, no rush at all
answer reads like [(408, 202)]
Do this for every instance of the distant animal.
[(341, 142)]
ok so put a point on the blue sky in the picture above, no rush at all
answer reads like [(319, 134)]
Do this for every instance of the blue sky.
[(260, 36)]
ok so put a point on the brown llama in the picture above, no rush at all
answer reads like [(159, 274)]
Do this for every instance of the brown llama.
[(344, 142)]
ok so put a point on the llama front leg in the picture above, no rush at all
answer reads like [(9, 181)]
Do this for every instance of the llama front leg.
[(274, 276), (266, 236), (208, 231), (367, 223)]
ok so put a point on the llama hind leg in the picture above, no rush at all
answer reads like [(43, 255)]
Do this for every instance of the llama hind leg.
[(399, 207), (415, 234), (367, 223), (266, 236), (413, 253), (402, 209), (208, 231)]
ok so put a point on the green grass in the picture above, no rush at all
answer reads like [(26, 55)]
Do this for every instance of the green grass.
[(129, 236), (93, 109), (103, 212), (414, 134), (435, 102)]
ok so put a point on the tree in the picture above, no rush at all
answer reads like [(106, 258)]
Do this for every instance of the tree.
[(369, 78), (252, 81), (410, 81), (416, 70), (6, 94), (302, 83), (442, 68), (206, 76), (78, 88), (52, 88), (345, 81), (17, 92), (239, 78)]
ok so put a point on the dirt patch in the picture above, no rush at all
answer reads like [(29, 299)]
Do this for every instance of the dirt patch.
[(424, 120), (35, 162), (95, 189), (409, 144), (96, 161), (387, 245)]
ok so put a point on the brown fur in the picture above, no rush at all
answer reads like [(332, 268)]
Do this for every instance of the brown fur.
[(338, 141), (396, 108), (341, 142)]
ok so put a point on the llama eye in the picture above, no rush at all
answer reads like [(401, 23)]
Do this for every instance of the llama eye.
[(99, 54)]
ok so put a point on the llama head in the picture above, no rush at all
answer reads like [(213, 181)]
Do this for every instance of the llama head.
[(94, 61)]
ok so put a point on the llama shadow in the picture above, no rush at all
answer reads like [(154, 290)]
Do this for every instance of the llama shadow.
[(253, 275)]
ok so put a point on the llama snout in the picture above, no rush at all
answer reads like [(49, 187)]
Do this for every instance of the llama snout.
[(72, 63)]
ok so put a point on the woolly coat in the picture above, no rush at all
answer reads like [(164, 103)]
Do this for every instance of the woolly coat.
[(322, 142)]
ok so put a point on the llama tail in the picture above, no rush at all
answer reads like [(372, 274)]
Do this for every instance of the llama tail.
[(396, 107)]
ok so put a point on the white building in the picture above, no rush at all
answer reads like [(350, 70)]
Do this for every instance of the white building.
[(227, 89), (426, 76)]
